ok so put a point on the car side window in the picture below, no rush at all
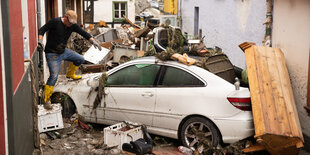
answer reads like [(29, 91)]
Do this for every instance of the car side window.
[(179, 78), (135, 75)]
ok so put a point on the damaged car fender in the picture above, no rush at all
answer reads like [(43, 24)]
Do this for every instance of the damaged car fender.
[(80, 91)]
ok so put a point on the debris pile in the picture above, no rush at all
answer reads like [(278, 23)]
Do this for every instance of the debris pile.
[(130, 41), (76, 138), (78, 43), (145, 37), (235, 148)]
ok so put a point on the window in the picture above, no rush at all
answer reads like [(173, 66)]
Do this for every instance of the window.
[(135, 75), (196, 21), (88, 11), (179, 78), (119, 11), (68, 5)]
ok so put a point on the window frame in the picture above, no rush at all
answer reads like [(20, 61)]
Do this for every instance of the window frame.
[(113, 11), (88, 10)]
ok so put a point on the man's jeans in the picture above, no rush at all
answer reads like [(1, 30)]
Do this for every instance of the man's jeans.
[(54, 61)]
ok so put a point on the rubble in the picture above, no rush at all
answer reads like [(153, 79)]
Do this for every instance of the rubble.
[(141, 5), (79, 43), (76, 140)]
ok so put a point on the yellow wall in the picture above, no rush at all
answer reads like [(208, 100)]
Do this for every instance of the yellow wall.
[(171, 6)]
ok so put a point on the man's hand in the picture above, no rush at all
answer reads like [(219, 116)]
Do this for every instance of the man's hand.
[(95, 43), (40, 45)]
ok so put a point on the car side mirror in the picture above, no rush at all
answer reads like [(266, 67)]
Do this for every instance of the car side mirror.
[(93, 83)]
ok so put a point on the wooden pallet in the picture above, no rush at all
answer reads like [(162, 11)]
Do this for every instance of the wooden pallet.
[(276, 121)]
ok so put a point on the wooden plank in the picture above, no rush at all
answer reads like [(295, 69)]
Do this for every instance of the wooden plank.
[(256, 147), (255, 99), (131, 23), (267, 119), (278, 142), (288, 96), (268, 92), (246, 45), (277, 92)]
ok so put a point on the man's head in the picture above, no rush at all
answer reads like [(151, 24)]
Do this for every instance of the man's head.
[(71, 17)]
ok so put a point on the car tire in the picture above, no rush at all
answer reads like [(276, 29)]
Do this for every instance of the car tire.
[(68, 106), (199, 131)]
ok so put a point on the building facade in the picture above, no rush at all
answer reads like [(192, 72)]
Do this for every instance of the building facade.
[(17, 23), (291, 33), (225, 24), (113, 10), (19, 85)]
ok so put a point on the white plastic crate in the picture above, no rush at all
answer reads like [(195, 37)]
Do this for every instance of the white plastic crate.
[(118, 134), (49, 120)]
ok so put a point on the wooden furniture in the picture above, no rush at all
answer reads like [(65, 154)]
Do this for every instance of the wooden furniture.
[(276, 121)]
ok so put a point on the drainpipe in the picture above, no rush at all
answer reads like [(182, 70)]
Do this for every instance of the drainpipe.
[(7, 67), (268, 23), (180, 13), (307, 107), (39, 13)]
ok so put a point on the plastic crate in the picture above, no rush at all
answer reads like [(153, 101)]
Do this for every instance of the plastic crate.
[(49, 120), (117, 134)]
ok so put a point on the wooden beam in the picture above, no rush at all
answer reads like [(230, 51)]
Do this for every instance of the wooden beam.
[(256, 147)]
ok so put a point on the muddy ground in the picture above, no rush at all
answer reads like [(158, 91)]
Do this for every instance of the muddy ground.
[(78, 138)]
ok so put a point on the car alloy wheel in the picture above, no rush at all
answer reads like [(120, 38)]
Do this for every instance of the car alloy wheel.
[(198, 133)]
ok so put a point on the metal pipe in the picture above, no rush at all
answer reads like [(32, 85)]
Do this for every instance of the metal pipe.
[(180, 14), (8, 92), (39, 13)]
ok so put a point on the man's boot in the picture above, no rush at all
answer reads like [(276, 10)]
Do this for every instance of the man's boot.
[(48, 90), (71, 72)]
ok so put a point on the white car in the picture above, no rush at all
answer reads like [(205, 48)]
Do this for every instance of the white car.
[(174, 100)]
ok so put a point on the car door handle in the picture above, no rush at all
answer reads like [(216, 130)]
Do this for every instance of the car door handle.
[(147, 94)]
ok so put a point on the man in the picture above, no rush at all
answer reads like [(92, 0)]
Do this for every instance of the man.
[(59, 31)]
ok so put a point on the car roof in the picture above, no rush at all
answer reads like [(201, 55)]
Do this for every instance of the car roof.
[(153, 60)]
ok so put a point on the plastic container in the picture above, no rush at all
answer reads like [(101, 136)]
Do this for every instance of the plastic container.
[(49, 120), (185, 150), (120, 133), (26, 48)]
